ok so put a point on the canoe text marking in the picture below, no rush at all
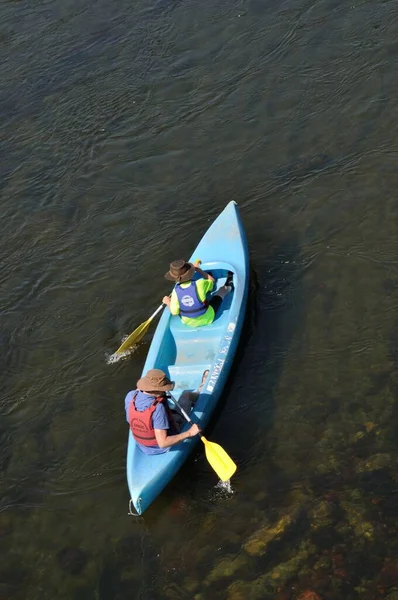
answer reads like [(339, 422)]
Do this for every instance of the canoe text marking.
[(218, 365)]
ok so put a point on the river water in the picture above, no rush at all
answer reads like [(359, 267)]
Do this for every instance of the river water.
[(125, 128)]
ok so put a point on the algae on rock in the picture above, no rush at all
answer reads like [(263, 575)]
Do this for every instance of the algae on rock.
[(228, 566), (258, 542)]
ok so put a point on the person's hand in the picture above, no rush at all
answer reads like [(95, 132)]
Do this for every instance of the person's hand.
[(197, 263), (166, 300), (194, 430)]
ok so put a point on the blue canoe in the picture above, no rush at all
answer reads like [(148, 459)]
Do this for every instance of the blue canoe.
[(184, 353)]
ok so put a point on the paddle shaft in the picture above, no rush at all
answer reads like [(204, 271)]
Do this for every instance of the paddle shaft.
[(161, 307), (157, 311), (186, 417)]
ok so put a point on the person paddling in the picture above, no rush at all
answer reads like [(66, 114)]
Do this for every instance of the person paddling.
[(149, 416), (189, 299)]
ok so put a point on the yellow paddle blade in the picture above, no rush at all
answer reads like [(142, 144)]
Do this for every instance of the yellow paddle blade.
[(138, 333), (134, 337), (223, 464)]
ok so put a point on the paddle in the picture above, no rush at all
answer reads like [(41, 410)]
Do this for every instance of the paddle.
[(138, 333), (223, 464), (141, 330)]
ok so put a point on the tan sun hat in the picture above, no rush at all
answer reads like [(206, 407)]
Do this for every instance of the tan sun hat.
[(180, 271), (155, 380)]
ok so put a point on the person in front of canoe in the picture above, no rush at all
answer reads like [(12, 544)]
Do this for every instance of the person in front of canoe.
[(189, 297), (149, 415)]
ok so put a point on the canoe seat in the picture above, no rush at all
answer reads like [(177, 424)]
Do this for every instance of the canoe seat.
[(179, 330), (198, 345), (196, 353), (187, 377)]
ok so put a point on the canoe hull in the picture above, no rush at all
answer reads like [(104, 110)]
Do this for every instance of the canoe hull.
[(185, 352)]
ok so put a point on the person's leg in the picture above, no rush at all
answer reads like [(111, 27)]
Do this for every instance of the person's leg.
[(223, 291), (187, 400), (183, 401), (204, 377)]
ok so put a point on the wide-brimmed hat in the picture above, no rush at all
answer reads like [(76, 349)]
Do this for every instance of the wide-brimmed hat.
[(180, 271), (155, 380)]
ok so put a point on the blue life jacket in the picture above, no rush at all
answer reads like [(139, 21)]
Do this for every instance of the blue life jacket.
[(190, 305)]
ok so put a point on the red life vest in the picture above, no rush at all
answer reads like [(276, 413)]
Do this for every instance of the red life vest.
[(141, 421)]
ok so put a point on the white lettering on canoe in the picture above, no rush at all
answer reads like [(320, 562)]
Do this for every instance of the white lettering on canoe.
[(215, 373), (218, 365)]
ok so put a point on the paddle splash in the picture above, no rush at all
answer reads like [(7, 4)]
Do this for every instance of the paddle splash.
[(116, 356), (225, 486)]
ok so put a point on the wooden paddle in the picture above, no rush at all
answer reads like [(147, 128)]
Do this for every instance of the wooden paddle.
[(138, 333), (222, 464)]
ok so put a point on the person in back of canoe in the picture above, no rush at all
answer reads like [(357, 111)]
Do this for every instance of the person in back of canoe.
[(149, 416), (189, 297)]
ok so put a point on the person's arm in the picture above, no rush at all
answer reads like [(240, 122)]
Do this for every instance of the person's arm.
[(165, 441), (127, 402), (203, 273), (172, 303), (204, 287)]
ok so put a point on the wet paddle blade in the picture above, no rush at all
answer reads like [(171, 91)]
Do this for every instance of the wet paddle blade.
[(134, 337), (138, 333), (223, 464)]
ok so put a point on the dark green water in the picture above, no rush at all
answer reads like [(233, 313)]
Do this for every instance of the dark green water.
[(125, 128)]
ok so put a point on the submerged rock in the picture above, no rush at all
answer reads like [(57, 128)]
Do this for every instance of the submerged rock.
[(190, 584), (258, 542), (367, 590), (227, 567), (284, 572), (321, 514), (324, 564), (374, 463), (388, 576), (239, 590), (308, 595), (356, 516), (275, 580), (364, 431), (283, 595)]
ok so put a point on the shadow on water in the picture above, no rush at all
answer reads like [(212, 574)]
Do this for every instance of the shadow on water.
[(275, 309)]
